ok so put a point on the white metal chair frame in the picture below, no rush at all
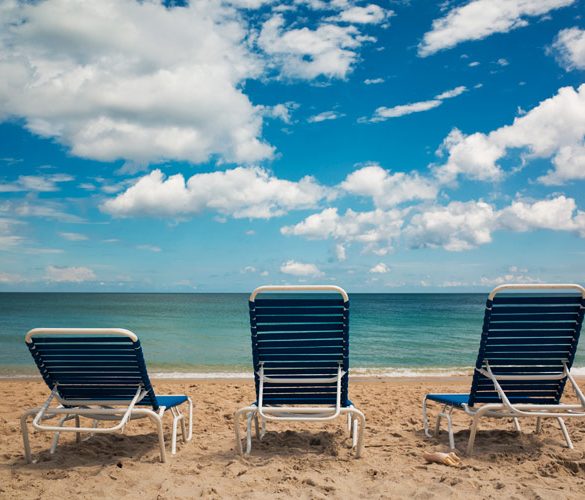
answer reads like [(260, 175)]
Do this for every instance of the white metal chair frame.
[(99, 410), (356, 420), (507, 409)]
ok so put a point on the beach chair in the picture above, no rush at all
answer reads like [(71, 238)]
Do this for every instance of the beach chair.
[(98, 374), (528, 344), (300, 351)]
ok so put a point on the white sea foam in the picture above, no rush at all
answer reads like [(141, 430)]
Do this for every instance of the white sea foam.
[(356, 373)]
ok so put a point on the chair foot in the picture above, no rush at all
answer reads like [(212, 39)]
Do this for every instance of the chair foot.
[(565, 432)]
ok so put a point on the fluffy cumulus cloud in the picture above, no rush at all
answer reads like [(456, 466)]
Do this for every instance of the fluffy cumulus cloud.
[(330, 50), (369, 14), (569, 47), (380, 268), (455, 227), (389, 189), (300, 269), (240, 192), (69, 274), (164, 84), (556, 214), (479, 19), (168, 82), (376, 230), (554, 129)]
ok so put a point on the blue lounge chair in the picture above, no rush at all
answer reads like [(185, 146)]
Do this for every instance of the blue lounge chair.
[(528, 344), (300, 351), (99, 374)]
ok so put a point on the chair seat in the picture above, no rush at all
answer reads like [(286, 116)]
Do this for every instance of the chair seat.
[(170, 401), (450, 399)]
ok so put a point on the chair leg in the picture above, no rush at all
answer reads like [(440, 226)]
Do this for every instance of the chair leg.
[(257, 426), (176, 418), (472, 433), (190, 433), (77, 434), (25, 438), (538, 429), (517, 424), (450, 429), (425, 418), (263, 430), (56, 435), (249, 432), (157, 421), (565, 432), (237, 416), (359, 426)]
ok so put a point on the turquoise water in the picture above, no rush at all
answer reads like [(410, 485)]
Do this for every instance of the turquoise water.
[(209, 333)]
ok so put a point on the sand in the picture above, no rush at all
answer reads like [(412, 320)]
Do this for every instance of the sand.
[(295, 459)]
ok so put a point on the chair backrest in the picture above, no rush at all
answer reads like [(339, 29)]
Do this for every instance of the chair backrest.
[(300, 332), (528, 330), (91, 364)]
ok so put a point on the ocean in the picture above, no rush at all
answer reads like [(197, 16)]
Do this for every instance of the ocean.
[(208, 335)]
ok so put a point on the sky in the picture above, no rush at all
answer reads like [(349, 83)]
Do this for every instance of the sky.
[(218, 145)]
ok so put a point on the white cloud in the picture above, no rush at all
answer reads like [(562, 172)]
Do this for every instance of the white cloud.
[(473, 64), (383, 113), (568, 163), (69, 274), (389, 189), (555, 128), (249, 269), (240, 192), (340, 252), (376, 230), (38, 183), (370, 14), (508, 278), (324, 116), (165, 84), (455, 227), (31, 207), (556, 214), (73, 236), (569, 48), (300, 269), (479, 19), (502, 62), (373, 81), (149, 248), (329, 50), (380, 268), (8, 239), (10, 278), (448, 94)]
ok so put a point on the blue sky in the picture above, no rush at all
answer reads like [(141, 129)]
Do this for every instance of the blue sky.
[(220, 145)]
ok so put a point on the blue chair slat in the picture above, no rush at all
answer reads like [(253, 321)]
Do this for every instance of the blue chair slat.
[(93, 368), (298, 302), (302, 337), (528, 334), (536, 299), (299, 311)]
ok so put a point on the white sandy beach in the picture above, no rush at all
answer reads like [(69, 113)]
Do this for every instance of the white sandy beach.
[(301, 460)]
